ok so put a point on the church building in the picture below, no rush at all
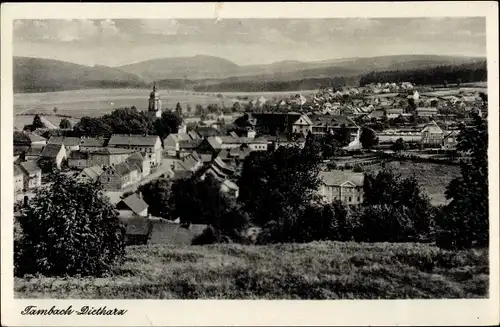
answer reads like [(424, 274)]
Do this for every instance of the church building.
[(154, 107)]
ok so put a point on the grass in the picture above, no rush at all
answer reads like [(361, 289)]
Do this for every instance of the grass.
[(319, 270), (433, 177)]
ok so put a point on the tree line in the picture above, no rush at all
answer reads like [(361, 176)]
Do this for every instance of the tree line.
[(449, 74)]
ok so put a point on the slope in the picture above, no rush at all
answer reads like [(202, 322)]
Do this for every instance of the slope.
[(43, 75)]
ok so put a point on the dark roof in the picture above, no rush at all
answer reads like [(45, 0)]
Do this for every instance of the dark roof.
[(30, 167), (181, 174), (92, 141), (135, 158), (189, 144), (134, 203), (113, 151), (123, 168), (134, 140), (51, 150), (66, 140), (206, 131), (34, 151), (76, 155), (242, 140), (332, 120)]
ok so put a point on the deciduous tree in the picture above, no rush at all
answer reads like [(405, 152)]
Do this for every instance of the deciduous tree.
[(70, 228)]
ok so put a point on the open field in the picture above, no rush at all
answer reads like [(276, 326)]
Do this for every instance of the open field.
[(319, 270), (97, 102), (433, 177), (21, 121)]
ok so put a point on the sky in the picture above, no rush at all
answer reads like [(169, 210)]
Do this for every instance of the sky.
[(115, 42)]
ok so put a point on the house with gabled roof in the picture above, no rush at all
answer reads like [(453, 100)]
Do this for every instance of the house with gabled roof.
[(90, 173), (54, 153), (140, 161), (32, 175), (70, 143), (171, 144), (432, 134), (132, 205), (119, 176), (328, 123), (450, 140), (344, 186), (210, 145), (188, 146), (302, 125)]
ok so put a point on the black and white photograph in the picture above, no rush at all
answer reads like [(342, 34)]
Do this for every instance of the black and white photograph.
[(325, 158)]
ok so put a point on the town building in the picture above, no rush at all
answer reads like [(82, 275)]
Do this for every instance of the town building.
[(450, 140), (426, 112), (54, 153), (36, 140), (18, 179), (32, 175), (91, 144), (150, 145), (131, 206), (230, 142), (90, 173), (33, 153), (140, 161), (108, 156), (171, 144), (119, 176), (78, 160), (302, 125), (432, 134), (344, 186), (329, 124), (70, 143)]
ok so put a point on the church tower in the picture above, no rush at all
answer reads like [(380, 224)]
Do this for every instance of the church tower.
[(154, 108)]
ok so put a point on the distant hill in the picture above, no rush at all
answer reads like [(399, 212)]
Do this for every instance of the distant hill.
[(214, 73), (45, 75), (208, 67), (196, 67)]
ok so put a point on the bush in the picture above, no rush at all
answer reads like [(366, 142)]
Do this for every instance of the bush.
[(387, 223), (70, 228), (357, 168)]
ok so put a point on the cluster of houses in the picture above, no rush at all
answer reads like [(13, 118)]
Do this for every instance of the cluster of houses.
[(117, 162)]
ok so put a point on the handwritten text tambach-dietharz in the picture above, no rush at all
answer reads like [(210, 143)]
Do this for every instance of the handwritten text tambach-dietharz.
[(84, 310)]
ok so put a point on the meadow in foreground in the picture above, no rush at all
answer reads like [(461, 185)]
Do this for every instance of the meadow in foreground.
[(318, 270)]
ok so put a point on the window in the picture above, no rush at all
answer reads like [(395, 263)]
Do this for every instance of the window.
[(359, 199), (109, 179), (349, 199)]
